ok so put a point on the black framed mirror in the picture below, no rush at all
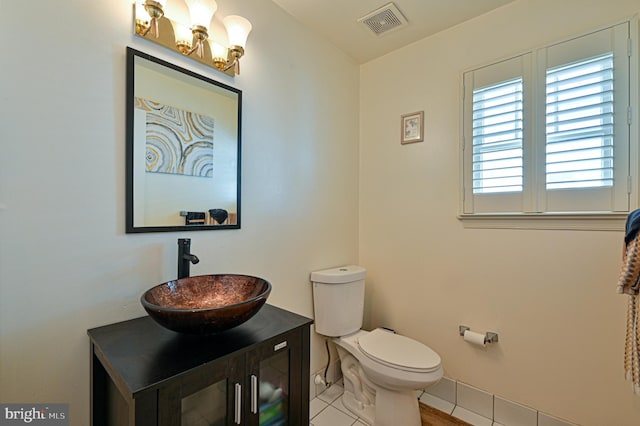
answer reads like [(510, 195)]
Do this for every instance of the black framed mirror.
[(183, 136)]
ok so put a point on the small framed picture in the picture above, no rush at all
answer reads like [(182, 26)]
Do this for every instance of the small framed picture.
[(412, 129)]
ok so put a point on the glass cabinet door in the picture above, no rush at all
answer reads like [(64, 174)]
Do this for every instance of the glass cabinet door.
[(206, 407), (205, 397), (273, 389), (270, 374)]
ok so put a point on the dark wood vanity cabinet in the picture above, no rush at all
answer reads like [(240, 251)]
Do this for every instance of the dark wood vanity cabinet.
[(254, 374)]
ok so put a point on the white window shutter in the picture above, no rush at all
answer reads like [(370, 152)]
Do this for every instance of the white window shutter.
[(497, 102), (498, 138), (579, 124), (585, 129), (547, 131)]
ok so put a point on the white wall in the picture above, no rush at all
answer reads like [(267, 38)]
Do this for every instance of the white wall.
[(66, 264), (549, 294)]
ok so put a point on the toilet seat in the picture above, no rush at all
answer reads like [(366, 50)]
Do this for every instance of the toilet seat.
[(397, 351)]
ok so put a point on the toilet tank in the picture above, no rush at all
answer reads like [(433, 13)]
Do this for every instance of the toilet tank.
[(338, 300)]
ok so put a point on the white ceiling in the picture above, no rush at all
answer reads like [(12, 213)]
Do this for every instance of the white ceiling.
[(336, 20)]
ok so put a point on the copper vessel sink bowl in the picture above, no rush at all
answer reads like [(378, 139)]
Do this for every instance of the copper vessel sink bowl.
[(206, 304)]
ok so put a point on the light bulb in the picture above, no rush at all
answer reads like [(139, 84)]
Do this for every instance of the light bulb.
[(218, 51), (184, 37), (141, 12), (183, 33), (201, 12), (238, 29)]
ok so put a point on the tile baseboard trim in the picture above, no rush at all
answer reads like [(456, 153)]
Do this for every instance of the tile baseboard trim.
[(483, 403), (490, 406)]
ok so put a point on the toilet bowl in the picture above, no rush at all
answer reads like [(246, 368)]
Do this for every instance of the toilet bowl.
[(381, 370)]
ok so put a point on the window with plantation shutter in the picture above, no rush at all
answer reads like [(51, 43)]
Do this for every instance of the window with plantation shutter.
[(548, 132), (497, 138), (495, 155), (579, 119)]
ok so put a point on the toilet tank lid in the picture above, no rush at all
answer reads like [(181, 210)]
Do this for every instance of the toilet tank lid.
[(339, 275)]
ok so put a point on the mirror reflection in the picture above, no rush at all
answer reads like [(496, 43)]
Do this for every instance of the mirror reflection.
[(183, 148)]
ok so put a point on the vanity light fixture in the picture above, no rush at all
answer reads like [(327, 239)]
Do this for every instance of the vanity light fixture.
[(201, 12), (193, 39), (238, 29), (150, 12)]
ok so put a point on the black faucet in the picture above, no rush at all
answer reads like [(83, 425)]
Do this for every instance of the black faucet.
[(185, 258)]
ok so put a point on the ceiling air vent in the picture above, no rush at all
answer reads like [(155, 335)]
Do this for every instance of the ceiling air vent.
[(385, 19)]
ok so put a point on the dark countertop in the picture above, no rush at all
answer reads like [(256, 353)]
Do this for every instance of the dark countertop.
[(144, 354)]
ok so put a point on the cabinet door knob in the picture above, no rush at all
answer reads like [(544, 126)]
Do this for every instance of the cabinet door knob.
[(254, 394), (238, 406)]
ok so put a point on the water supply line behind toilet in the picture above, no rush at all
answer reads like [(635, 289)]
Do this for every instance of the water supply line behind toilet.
[(318, 379)]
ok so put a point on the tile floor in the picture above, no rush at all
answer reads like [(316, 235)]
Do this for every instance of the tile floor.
[(474, 406), (327, 409)]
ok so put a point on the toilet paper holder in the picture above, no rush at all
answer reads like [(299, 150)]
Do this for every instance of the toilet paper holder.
[(489, 337)]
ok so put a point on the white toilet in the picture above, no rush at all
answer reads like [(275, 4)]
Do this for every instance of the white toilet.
[(381, 369)]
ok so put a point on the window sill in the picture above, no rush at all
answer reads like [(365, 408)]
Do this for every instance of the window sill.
[(591, 221)]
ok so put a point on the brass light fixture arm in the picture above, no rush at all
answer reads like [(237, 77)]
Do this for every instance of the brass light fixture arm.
[(155, 11)]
